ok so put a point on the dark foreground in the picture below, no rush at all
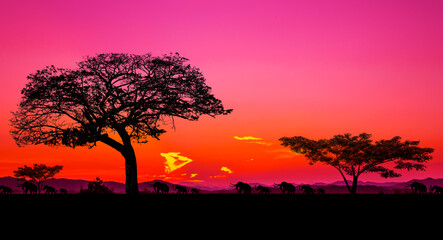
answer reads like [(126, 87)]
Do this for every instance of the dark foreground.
[(238, 198), (224, 202), (222, 213)]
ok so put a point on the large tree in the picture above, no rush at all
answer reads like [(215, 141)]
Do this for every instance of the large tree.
[(355, 155), (116, 99)]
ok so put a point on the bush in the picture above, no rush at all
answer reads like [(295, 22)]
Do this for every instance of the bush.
[(97, 187)]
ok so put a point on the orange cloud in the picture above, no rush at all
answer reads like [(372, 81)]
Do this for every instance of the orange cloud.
[(283, 153), (263, 143), (218, 176), (184, 177)]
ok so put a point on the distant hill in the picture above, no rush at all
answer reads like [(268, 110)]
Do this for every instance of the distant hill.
[(75, 185)]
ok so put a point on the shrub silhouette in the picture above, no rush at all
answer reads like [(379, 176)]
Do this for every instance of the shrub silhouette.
[(96, 187)]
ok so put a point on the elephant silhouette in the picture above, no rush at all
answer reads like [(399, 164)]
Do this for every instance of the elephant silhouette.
[(180, 189), (5, 189), (160, 187), (418, 187), (286, 187), (63, 191), (306, 189), (242, 187), (194, 190), (437, 189), (49, 189), (262, 190), (28, 186), (320, 191)]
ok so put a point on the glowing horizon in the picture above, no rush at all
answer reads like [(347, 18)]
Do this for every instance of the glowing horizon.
[(287, 68)]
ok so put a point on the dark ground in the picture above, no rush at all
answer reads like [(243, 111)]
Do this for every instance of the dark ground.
[(225, 203), (224, 215)]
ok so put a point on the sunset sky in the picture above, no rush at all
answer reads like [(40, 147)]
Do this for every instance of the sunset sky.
[(287, 68)]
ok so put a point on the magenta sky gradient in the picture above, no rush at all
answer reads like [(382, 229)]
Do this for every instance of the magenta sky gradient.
[(311, 68)]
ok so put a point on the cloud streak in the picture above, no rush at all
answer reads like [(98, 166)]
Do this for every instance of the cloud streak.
[(247, 138), (252, 139)]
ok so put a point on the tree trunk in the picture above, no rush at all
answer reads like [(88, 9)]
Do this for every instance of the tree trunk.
[(131, 170), (354, 185), (128, 153), (346, 181)]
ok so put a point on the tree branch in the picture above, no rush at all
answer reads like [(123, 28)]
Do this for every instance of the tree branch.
[(104, 138), (344, 178)]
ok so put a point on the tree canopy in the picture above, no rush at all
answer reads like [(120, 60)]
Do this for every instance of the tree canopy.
[(113, 94), (355, 155)]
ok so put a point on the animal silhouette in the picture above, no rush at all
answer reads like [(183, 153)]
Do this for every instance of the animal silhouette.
[(63, 191), (320, 191), (194, 190), (418, 187), (262, 189), (5, 189), (160, 187), (242, 187), (28, 186), (286, 187), (437, 189), (180, 189), (49, 189), (306, 189)]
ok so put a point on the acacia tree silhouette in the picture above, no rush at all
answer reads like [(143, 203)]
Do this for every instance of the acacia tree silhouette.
[(355, 155), (109, 95), (38, 173)]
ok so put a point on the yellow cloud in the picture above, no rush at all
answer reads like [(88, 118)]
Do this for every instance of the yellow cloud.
[(225, 169), (174, 161), (247, 138), (252, 139)]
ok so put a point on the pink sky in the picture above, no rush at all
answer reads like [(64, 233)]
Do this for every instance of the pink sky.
[(309, 68)]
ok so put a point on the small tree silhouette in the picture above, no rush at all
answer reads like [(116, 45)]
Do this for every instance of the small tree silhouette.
[(38, 173), (355, 155), (114, 99)]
